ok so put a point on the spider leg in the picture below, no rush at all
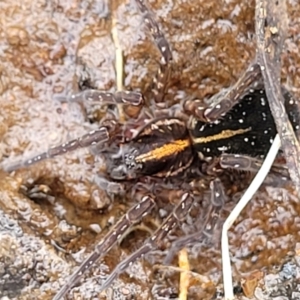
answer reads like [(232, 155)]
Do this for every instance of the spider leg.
[(93, 137), (240, 162), (164, 72), (155, 31), (178, 214), (218, 198), (249, 164), (210, 223), (223, 102), (100, 135), (105, 98), (131, 102), (235, 94), (134, 215)]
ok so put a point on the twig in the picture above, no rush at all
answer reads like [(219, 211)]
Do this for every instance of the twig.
[(199, 277), (271, 27), (119, 62), (184, 265)]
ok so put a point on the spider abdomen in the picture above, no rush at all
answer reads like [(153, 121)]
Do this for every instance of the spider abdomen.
[(247, 129)]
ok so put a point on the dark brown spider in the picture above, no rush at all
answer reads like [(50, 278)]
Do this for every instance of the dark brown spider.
[(178, 145)]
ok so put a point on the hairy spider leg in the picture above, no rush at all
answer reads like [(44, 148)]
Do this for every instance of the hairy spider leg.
[(100, 135), (209, 225), (164, 71), (105, 98), (131, 102), (134, 215), (178, 215), (224, 101), (240, 162), (156, 32)]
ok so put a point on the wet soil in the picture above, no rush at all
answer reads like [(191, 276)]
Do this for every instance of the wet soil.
[(52, 214)]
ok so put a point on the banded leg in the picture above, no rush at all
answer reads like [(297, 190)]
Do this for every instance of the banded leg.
[(157, 34), (132, 102), (212, 220), (100, 135), (225, 100), (250, 164), (104, 98), (134, 215), (164, 71), (240, 162), (152, 243)]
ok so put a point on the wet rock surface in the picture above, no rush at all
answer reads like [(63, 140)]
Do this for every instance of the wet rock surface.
[(53, 213)]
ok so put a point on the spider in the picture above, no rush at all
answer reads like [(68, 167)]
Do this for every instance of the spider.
[(169, 152)]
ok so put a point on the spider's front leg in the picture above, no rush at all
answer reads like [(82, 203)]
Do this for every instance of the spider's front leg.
[(164, 72), (133, 216), (176, 217), (100, 135), (110, 127)]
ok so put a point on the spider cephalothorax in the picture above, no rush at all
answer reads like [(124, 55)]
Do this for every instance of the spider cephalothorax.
[(162, 148)]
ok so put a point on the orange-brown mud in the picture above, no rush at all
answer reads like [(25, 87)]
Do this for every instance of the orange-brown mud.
[(53, 209)]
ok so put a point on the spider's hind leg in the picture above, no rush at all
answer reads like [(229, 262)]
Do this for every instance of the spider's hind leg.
[(223, 102)]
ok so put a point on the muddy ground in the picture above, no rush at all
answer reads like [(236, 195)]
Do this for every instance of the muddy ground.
[(52, 213)]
